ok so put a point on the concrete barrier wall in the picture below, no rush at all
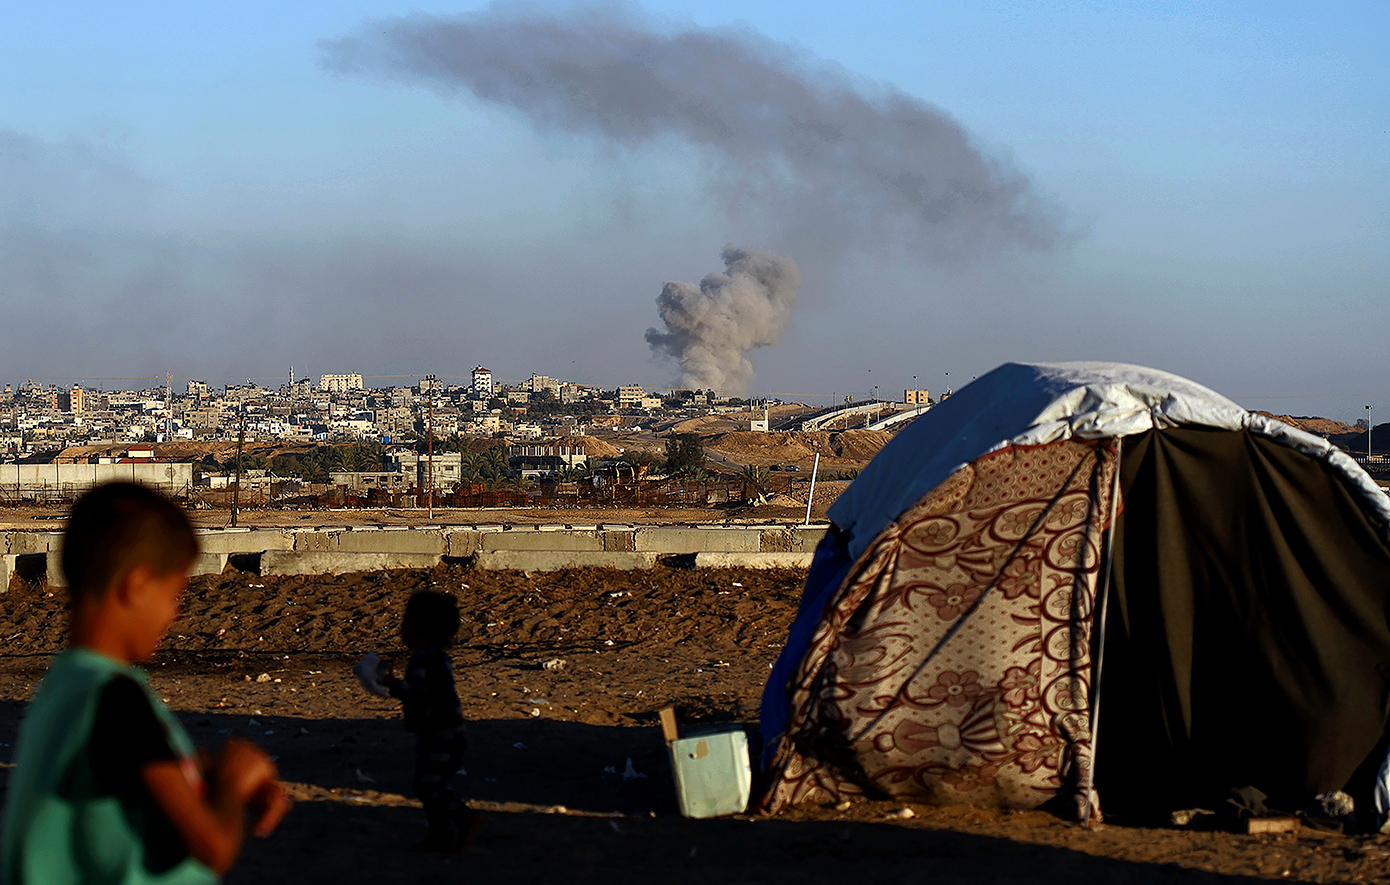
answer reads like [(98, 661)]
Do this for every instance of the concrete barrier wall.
[(334, 550)]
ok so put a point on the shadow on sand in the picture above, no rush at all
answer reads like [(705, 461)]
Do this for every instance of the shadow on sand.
[(613, 830)]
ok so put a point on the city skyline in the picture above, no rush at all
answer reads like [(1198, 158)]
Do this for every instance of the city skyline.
[(230, 187)]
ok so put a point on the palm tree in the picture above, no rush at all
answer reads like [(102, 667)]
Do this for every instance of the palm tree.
[(755, 476), (495, 461), (470, 465)]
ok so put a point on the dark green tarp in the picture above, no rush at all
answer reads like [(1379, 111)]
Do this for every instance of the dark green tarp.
[(1247, 637)]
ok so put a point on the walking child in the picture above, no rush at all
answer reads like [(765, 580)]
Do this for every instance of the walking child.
[(107, 786), (431, 710)]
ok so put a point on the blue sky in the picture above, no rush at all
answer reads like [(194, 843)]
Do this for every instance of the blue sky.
[(188, 187)]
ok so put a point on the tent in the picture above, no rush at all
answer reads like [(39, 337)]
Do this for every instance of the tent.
[(1078, 563)]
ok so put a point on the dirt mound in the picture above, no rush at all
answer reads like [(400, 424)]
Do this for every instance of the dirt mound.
[(771, 446), (724, 423), (221, 451), (859, 445), (1320, 426), (800, 446)]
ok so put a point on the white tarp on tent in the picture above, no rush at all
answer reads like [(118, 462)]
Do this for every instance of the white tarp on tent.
[(1030, 404)]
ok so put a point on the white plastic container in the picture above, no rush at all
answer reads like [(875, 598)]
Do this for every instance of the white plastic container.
[(713, 774)]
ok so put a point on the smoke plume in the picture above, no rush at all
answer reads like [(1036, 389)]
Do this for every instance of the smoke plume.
[(711, 326), (833, 163)]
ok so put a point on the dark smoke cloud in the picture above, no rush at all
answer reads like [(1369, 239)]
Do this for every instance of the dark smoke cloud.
[(710, 327), (835, 164)]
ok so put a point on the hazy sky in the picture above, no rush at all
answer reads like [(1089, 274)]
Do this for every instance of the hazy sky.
[(223, 190)]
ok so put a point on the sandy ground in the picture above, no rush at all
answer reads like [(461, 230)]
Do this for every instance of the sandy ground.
[(268, 659)]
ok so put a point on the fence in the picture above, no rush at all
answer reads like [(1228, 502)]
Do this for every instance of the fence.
[(64, 482), (671, 492)]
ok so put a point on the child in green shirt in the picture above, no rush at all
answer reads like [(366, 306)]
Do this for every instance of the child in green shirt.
[(107, 786)]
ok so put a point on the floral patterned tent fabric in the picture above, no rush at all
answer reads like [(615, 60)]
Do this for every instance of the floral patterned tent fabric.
[(952, 665)]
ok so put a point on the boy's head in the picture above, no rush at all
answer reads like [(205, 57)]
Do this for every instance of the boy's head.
[(121, 526), (431, 619)]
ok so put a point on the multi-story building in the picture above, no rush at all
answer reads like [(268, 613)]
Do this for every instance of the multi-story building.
[(68, 400), (539, 383), (482, 383), (340, 383), (916, 397), (630, 396), (447, 468)]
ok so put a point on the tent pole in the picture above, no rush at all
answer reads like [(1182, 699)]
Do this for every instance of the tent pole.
[(815, 468), (1106, 557)]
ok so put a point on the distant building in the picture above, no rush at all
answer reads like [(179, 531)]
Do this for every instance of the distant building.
[(199, 390), (759, 422), (543, 382), (447, 468), (916, 397), (482, 383), (630, 396), (68, 400), (545, 460), (573, 393), (340, 383), (366, 481)]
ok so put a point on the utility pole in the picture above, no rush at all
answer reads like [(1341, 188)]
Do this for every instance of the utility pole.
[(429, 477), (240, 444), (1369, 425)]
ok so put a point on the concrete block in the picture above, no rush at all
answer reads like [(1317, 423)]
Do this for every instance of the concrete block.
[(805, 538), (566, 541), (209, 564), (552, 560), (244, 541), (316, 539), (619, 542), (330, 562), (753, 560), (34, 542), (672, 539), (463, 543), (54, 569), (775, 541), (402, 541)]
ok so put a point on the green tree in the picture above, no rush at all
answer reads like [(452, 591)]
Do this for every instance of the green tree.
[(756, 477), (685, 452)]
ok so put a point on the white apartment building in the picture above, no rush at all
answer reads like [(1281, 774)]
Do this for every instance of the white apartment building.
[(340, 383), (482, 382)]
